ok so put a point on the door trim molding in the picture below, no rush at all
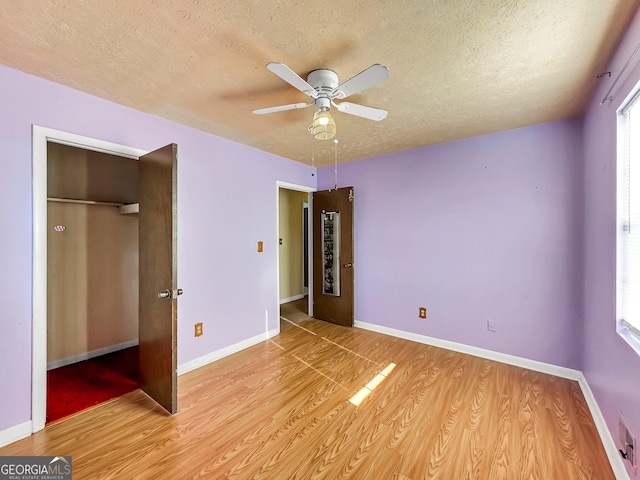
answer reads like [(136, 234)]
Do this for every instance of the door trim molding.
[(39, 137), (299, 188), (305, 289)]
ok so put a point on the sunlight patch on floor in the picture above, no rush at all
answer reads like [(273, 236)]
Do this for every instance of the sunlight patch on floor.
[(365, 391)]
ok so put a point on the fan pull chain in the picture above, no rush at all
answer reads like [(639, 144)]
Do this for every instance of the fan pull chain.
[(335, 170), (313, 155)]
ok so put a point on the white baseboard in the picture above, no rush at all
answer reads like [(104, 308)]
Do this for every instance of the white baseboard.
[(225, 352), (617, 464), (92, 354), (608, 443), (542, 367), (16, 433), (292, 299)]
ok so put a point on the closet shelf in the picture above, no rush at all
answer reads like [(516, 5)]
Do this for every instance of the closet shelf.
[(124, 209), (131, 208)]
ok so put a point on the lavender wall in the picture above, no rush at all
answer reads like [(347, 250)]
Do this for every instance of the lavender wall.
[(611, 367), (487, 228), (516, 227), (226, 203)]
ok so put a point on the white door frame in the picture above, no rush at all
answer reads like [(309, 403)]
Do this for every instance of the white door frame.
[(40, 137), (305, 203), (299, 188)]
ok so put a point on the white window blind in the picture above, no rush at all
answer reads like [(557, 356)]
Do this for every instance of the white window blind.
[(629, 217)]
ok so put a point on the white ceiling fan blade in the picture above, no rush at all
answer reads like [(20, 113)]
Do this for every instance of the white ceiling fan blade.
[(281, 108), (370, 113), (373, 75), (292, 78)]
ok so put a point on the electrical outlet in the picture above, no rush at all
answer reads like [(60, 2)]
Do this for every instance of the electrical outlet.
[(491, 325), (422, 312), (198, 329)]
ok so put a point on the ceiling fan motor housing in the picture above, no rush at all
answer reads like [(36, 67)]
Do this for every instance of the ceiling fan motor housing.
[(324, 82), (323, 87)]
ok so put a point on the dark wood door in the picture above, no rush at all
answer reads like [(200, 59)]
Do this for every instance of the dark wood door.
[(158, 274), (333, 256)]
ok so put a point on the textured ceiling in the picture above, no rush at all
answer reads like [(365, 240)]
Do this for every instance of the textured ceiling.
[(459, 68)]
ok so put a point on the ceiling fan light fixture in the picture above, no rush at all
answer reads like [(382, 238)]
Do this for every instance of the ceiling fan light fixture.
[(323, 86), (323, 126)]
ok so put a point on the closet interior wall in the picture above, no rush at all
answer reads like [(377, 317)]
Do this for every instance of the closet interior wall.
[(92, 254)]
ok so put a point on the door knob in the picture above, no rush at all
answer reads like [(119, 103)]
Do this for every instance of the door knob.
[(348, 265), (177, 292)]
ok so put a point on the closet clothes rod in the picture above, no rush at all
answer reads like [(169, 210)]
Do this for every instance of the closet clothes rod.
[(84, 202)]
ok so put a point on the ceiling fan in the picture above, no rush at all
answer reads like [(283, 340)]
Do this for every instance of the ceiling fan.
[(323, 87)]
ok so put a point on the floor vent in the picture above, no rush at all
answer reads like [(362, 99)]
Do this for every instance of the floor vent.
[(627, 441)]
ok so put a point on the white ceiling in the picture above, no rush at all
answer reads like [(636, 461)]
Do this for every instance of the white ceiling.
[(459, 68)]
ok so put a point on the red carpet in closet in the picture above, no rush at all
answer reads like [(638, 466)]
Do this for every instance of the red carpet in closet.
[(81, 385)]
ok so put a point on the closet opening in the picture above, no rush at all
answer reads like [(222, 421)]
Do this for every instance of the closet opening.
[(92, 278)]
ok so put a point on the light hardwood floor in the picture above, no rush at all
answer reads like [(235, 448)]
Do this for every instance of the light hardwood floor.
[(281, 410), (295, 311)]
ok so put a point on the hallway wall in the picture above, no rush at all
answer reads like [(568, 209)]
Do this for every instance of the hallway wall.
[(291, 261)]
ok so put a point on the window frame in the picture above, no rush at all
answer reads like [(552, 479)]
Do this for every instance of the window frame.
[(629, 332)]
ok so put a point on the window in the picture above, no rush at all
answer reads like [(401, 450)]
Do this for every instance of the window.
[(628, 206)]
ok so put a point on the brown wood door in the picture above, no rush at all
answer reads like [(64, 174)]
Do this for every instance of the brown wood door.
[(333, 256), (158, 273)]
